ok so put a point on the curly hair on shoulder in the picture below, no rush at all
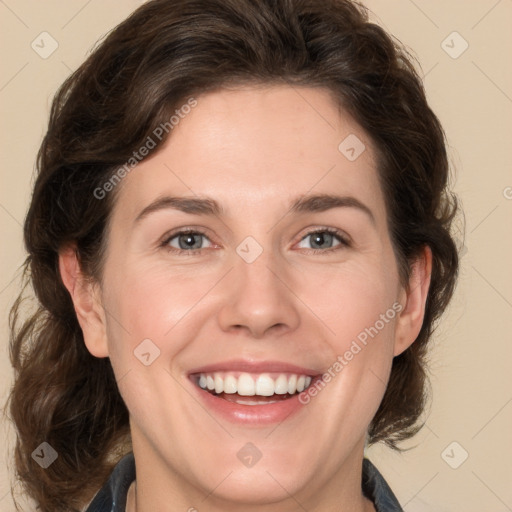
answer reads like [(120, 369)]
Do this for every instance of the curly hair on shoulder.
[(168, 50)]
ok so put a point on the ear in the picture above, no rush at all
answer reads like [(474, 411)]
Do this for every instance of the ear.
[(87, 301), (414, 300)]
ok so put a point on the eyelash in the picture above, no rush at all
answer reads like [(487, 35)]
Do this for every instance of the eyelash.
[(344, 242)]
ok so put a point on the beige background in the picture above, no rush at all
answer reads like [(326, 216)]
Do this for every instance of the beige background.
[(472, 94)]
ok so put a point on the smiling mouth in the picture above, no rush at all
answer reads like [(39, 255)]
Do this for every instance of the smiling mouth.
[(245, 388)]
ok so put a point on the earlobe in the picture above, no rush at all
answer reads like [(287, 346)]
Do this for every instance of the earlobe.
[(86, 300), (411, 317)]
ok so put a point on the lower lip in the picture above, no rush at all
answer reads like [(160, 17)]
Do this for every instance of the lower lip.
[(265, 414)]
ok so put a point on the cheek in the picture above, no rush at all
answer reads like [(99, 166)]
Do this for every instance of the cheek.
[(149, 303), (350, 300)]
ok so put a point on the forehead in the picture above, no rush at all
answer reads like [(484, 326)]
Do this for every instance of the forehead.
[(257, 147)]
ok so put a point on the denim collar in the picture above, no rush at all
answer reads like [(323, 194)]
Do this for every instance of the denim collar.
[(112, 496), (376, 489)]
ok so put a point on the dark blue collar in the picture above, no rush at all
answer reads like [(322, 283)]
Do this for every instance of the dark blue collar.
[(112, 496), (376, 489)]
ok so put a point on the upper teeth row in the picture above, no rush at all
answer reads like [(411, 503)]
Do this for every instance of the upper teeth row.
[(247, 385)]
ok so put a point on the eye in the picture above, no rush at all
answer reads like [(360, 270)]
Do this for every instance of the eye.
[(187, 241), (323, 240)]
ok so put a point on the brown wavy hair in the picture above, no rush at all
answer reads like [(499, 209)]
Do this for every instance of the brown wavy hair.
[(165, 52)]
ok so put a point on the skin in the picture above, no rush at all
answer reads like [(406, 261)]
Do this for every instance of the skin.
[(254, 150)]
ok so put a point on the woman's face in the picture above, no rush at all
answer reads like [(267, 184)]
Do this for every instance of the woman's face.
[(287, 268)]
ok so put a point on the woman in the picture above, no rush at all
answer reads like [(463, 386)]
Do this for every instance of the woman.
[(240, 241)]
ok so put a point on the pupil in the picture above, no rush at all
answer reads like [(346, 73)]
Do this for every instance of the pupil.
[(189, 242), (320, 239)]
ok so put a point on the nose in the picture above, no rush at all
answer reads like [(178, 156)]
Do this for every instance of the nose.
[(258, 299)]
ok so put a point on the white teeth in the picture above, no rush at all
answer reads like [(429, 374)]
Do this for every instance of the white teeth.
[(219, 384), (265, 385), (292, 384), (249, 385), (230, 384), (245, 385), (281, 385)]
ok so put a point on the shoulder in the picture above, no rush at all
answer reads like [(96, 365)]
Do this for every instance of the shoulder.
[(112, 496), (376, 489)]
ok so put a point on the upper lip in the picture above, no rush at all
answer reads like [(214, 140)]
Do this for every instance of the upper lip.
[(252, 366)]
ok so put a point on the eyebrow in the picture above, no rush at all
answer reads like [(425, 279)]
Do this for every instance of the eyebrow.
[(303, 204), (199, 206), (323, 202)]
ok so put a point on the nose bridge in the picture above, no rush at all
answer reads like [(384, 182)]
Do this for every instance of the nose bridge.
[(259, 276), (254, 260), (257, 298)]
